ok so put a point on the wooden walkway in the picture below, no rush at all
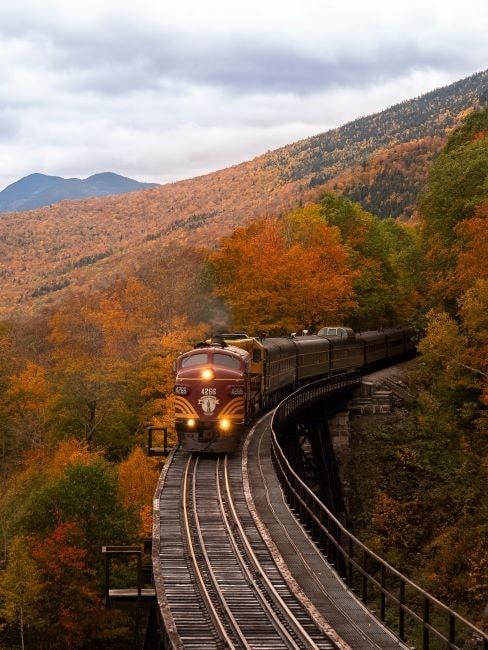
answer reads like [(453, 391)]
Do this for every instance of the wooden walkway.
[(299, 558)]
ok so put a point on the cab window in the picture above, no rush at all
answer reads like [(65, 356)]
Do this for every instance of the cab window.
[(194, 360), (226, 361)]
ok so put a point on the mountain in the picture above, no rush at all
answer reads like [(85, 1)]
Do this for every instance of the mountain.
[(37, 190), (381, 160)]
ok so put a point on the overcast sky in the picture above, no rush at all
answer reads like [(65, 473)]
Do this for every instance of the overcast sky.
[(166, 90)]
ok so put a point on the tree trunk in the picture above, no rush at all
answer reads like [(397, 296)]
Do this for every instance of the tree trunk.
[(22, 628), (92, 410)]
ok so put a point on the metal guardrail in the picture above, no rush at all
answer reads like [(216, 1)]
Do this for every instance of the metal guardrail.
[(401, 602)]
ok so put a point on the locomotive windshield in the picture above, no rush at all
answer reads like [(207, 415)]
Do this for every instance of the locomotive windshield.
[(194, 360), (226, 361)]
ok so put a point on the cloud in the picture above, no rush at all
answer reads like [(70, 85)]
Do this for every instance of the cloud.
[(9, 125), (165, 91), (128, 57)]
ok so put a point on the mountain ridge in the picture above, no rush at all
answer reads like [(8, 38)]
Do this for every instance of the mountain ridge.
[(37, 190), (74, 243)]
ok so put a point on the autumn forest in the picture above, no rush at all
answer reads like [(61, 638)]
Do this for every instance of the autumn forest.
[(81, 376)]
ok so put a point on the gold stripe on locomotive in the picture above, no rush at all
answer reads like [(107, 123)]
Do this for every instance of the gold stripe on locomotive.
[(183, 408), (233, 409)]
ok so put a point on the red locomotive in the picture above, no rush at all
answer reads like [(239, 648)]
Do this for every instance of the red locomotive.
[(211, 394)]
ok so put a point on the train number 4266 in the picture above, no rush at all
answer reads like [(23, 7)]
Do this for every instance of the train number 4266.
[(209, 391)]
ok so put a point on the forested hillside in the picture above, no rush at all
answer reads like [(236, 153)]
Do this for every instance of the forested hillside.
[(389, 183), (79, 381), (380, 160), (323, 156)]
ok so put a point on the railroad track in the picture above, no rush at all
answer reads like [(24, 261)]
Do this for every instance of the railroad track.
[(221, 584)]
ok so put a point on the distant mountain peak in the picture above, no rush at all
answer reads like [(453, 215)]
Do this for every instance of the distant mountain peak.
[(36, 190), (108, 175)]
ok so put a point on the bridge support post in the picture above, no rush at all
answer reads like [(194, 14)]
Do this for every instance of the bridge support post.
[(339, 430), (152, 637), (329, 484), (318, 434)]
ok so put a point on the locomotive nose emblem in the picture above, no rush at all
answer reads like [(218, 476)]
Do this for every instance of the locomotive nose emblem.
[(208, 402)]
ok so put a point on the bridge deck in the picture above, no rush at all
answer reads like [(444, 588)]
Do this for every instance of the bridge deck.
[(217, 583), (302, 559)]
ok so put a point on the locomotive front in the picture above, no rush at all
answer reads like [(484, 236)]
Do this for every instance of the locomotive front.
[(211, 391)]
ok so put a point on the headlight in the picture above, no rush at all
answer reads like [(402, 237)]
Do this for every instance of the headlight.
[(207, 374), (224, 424), (191, 423), (181, 390), (237, 390)]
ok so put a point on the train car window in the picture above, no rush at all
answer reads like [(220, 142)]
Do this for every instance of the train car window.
[(256, 355), (226, 361), (194, 360)]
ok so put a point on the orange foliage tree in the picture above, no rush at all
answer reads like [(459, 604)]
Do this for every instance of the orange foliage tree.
[(137, 478), (68, 592), (280, 275), (27, 399), (472, 260)]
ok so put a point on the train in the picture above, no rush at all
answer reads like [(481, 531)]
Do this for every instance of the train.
[(222, 383)]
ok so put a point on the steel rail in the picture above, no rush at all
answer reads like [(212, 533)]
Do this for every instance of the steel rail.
[(312, 510), (208, 566), (261, 573), (282, 631), (216, 619)]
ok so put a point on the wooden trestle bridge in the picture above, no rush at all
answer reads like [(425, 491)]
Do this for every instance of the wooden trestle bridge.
[(246, 555)]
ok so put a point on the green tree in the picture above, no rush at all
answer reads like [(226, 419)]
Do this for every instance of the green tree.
[(20, 588), (385, 255), (458, 183), (85, 494)]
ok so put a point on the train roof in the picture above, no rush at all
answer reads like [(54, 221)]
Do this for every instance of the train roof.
[(397, 330), (277, 343), (213, 348), (368, 335), (337, 332), (312, 339)]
